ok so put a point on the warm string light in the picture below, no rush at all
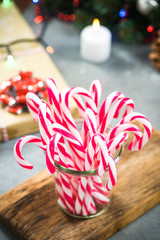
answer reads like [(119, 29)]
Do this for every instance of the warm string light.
[(49, 49), (6, 2), (10, 59), (38, 19)]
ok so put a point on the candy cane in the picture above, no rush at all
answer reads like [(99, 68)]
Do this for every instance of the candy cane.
[(95, 91), (114, 111), (74, 182), (137, 144), (99, 197), (89, 127), (123, 128), (93, 209), (67, 192), (106, 105), (65, 158), (87, 198), (51, 152), (89, 163), (90, 122), (116, 142), (18, 147), (54, 99), (33, 102), (106, 160), (65, 95), (63, 179), (65, 196), (80, 195), (45, 125), (112, 174), (76, 146), (59, 190), (97, 184)]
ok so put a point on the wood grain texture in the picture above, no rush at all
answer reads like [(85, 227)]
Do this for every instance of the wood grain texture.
[(30, 210)]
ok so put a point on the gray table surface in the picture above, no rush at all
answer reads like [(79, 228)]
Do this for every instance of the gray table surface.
[(129, 71)]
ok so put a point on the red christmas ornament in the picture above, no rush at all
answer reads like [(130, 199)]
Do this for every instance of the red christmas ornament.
[(13, 91)]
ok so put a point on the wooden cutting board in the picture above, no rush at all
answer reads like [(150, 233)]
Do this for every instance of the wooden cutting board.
[(30, 210)]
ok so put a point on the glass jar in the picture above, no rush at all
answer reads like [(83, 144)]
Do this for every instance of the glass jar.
[(82, 194)]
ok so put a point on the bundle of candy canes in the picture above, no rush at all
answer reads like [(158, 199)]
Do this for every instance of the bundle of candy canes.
[(83, 150)]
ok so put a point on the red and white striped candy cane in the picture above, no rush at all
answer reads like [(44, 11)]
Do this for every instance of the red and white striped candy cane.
[(95, 90), (54, 99), (87, 198), (89, 163), (114, 112), (90, 122), (106, 106), (137, 144), (80, 195), (67, 192), (76, 146), (66, 94), (65, 157), (93, 209), (45, 125), (112, 174), (18, 147), (64, 191), (33, 102), (89, 127), (97, 183), (74, 183), (99, 197), (51, 152), (59, 190), (123, 128), (116, 142), (63, 179), (106, 160)]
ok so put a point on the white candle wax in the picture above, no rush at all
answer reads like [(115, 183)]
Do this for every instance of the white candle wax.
[(95, 43)]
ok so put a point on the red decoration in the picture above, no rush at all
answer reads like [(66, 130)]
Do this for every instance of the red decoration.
[(13, 91), (150, 28)]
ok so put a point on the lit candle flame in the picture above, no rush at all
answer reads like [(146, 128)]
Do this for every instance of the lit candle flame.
[(96, 24), (49, 49)]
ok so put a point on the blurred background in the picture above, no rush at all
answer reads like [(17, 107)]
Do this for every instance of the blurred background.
[(132, 67)]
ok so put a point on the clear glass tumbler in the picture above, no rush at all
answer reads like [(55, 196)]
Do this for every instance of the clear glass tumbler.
[(82, 194)]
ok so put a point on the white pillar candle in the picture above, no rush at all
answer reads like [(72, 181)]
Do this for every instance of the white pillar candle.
[(95, 42)]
